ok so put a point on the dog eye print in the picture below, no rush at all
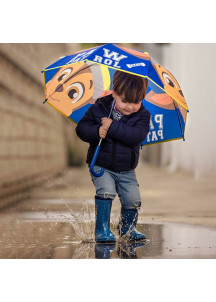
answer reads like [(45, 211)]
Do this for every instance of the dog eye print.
[(64, 74), (168, 80), (75, 91)]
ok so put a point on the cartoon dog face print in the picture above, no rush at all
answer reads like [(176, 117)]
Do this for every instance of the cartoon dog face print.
[(71, 88), (163, 100), (170, 84)]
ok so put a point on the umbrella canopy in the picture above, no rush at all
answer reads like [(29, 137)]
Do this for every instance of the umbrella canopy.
[(73, 83)]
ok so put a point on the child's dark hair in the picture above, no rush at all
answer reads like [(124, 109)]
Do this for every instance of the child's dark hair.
[(131, 86)]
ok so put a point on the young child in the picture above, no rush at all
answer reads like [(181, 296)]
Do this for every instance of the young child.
[(122, 135)]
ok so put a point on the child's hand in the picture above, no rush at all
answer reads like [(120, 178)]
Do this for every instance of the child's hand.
[(103, 131), (106, 121)]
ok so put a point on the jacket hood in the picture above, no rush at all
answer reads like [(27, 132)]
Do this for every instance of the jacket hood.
[(105, 102)]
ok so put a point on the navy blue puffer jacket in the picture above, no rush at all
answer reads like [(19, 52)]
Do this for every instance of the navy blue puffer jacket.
[(120, 149)]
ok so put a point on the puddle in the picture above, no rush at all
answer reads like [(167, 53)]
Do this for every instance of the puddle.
[(67, 232)]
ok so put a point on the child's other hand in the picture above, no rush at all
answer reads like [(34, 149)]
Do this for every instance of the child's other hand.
[(103, 131), (106, 121)]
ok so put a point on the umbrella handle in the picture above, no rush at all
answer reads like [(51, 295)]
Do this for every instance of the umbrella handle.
[(93, 163), (97, 151)]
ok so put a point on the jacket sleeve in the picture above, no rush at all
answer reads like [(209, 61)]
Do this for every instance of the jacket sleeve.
[(130, 135), (87, 129)]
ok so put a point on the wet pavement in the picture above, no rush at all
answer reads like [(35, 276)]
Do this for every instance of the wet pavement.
[(166, 197), (64, 229)]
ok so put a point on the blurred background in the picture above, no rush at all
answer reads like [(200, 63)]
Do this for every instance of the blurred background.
[(38, 143)]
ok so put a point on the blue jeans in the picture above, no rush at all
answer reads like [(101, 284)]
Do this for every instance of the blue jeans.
[(122, 183)]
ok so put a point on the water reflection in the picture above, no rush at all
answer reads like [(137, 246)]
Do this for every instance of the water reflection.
[(129, 250), (103, 251)]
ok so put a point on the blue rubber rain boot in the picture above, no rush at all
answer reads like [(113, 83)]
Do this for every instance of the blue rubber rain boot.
[(127, 225), (102, 220)]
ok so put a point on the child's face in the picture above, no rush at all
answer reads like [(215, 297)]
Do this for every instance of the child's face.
[(125, 107)]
